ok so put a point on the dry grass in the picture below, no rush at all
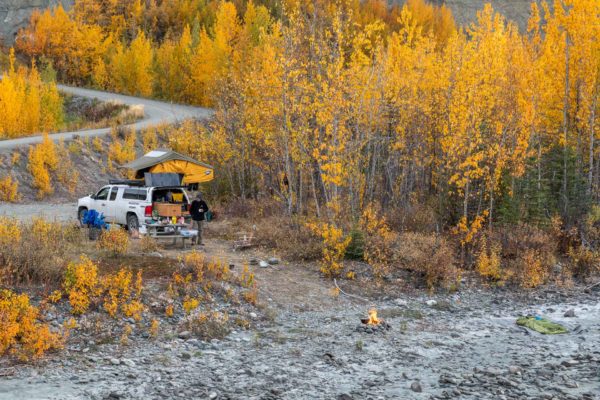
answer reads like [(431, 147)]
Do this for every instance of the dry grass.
[(429, 255), (291, 238), (528, 254), (36, 252)]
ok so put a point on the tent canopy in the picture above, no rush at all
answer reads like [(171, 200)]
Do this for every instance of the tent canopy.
[(168, 161)]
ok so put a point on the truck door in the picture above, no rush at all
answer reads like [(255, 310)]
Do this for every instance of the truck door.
[(100, 200), (111, 206)]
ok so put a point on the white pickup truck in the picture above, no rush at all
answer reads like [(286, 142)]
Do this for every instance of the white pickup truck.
[(129, 205)]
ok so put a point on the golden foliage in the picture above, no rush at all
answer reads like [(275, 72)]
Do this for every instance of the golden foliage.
[(122, 151), (117, 288), (246, 278), (534, 270), (380, 241), (334, 248), (114, 240), (584, 261), (21, 332), (190, 304), (351, 102), (489, 261), (169, 310), (81, 284), (9, 189), (149, 139), (15, 158), (43, 158), (116, 292), (98, 145), (154, 328), (148, 244), (28, 105)]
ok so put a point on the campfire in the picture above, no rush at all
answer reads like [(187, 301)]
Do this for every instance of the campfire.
[(373, 324), (372, 320)]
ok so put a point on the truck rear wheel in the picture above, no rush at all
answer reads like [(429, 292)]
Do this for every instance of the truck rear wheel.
[(132, 222)]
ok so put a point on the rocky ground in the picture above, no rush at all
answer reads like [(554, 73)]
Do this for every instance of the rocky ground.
[(304, 344)]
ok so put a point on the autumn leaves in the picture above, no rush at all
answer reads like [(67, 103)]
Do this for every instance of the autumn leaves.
[(27, 103), (325, 103)]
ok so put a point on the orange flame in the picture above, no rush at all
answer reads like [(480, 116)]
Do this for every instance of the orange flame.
[(373, 320)]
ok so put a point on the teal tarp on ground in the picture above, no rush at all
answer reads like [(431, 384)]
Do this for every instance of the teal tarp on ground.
[(541, 325)]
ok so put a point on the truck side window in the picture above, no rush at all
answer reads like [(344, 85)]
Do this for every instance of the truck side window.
[(103, 194), (134, 194), (113, 194)]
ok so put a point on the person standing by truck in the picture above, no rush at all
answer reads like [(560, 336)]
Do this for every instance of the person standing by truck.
[(197, 210)]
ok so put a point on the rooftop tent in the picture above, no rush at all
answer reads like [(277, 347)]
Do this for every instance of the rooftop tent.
[(168, 161)]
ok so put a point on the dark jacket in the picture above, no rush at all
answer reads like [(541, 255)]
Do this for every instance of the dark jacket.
[(197, 210)]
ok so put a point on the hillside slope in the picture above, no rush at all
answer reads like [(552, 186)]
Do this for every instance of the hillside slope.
[(14, 14), (465, 11)]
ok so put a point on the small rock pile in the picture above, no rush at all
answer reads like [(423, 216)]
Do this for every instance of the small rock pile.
[(381, 327)]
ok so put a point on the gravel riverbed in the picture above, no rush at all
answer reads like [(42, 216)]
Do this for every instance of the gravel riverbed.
[(460, 346)]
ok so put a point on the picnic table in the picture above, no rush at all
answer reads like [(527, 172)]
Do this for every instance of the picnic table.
[(169, 231)]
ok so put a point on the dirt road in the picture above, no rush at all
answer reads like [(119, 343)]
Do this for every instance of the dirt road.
[(156, 112), (63, 212)]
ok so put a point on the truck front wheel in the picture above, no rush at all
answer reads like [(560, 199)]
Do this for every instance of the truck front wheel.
[(80, 214)]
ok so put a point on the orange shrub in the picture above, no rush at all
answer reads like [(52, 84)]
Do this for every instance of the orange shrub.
[(21, 332), (149, 139), (121, 291), (533, 269), (43, 158), (528, 252), (65, 171), (169, 311), (583, 261), (148, 244), (115, 240), (430, 255), (197, 262), (489, 261), (154, 328), (334, 248), (190, 304), (380, 241), (209, 325), (98, 144), (15, 158), (81, 284), (8, 189), (123, 151)]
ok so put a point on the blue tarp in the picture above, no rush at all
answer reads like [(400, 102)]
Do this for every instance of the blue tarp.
[(94, 219)]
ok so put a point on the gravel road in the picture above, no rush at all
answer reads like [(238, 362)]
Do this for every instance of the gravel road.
[(156, 112), (53, 212)]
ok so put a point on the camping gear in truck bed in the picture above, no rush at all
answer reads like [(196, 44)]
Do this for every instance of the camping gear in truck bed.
[(168, 209)]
